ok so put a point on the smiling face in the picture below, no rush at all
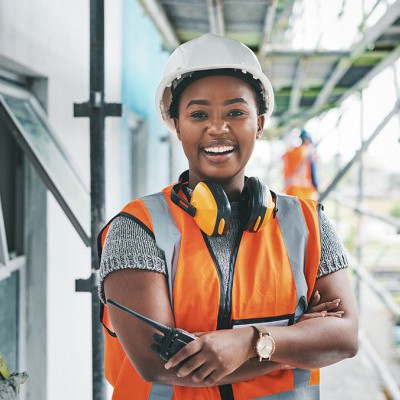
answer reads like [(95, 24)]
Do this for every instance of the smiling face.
[(218, 124)]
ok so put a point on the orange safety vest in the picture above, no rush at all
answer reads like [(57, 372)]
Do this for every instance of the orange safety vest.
[(273, 273), (297, 172)]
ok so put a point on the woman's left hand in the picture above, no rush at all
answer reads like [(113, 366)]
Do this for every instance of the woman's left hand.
[(214, 355), (316, 309)]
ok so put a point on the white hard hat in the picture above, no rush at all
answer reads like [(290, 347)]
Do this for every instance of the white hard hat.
[(208, 52)]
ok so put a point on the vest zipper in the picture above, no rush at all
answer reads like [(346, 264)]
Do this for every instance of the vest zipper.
[(221, 292), (225, 302), (226, 322)]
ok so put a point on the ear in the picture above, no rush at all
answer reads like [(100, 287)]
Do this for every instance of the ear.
[(176, 123), (260, 125)]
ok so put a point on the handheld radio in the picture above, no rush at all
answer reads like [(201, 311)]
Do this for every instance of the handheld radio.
[(165, 345)]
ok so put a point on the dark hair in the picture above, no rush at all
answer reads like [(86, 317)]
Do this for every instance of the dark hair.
[(185, 82)]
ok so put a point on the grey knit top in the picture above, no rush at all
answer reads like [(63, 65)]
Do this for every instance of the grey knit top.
[(128, 245)]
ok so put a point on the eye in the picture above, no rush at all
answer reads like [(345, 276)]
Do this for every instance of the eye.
[(235, 113), (198, 115)]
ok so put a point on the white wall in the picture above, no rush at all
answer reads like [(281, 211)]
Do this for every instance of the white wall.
[(51, 38)]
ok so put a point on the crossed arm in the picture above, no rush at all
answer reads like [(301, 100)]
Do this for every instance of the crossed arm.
[(228, 356)]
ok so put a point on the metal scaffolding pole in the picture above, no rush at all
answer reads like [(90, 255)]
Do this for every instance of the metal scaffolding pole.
[(397, 89), (96, 109), (345, 202), (360, 198), (358, 153)]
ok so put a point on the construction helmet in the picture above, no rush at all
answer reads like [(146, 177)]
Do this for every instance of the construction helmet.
[(208, 52), (305, 135)]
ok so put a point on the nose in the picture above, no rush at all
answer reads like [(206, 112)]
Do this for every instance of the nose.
[(218, 126)]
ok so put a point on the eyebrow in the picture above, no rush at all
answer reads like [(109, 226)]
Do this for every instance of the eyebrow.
[(235, 100), (207, 103), (198, 102)]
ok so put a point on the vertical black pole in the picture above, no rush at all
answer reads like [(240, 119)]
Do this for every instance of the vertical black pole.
[(96, 109), (97, 180)]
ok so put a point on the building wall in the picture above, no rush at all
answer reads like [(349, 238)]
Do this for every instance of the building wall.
[(51, 40), (143, 61)]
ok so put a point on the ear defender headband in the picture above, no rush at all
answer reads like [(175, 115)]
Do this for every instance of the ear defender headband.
[(211, 210)]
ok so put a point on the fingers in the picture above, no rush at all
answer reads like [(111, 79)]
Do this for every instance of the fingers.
[(196, 365), (201, 370), (327, 306), (315, 299), (191, 365), (307, 316), (214, 378), (189, 350), (204, 373), (321, 314), (337, 314)]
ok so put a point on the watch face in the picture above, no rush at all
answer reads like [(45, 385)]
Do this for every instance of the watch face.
[(264, 346)]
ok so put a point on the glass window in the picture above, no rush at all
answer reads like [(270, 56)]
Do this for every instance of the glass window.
[(11, 196), (11, 243), (41, 147)]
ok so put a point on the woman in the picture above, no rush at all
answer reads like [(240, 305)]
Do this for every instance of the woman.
[(218, 251)]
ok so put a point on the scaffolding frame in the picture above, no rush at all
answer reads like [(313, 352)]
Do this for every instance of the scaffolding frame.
[(363, 277), (96, 109)]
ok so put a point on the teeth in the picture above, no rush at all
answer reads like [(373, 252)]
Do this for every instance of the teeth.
[(220, 149)]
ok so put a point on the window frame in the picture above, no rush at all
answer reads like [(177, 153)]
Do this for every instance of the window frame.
[(33, 156)]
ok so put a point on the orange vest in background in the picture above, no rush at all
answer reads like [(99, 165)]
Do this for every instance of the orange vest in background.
[(297, 172), (264, 289)]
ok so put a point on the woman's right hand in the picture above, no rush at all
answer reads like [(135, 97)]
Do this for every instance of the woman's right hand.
[(213, 355)]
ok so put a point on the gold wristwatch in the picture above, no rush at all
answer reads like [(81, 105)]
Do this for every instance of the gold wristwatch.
[(265, 345)]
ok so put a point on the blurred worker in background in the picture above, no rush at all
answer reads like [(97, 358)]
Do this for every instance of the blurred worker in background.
[(300, 170)]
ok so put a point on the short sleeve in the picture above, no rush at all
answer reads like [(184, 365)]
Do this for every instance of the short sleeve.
[(333, 253), (128, 245)]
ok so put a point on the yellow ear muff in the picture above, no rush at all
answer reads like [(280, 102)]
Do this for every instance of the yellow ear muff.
[(212, 208), (270, 205), (255, 205)]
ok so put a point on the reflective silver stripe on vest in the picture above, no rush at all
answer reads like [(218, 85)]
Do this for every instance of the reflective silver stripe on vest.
[(166, 233), (295, 235), (161, 392), (306, 393), (168, 239)]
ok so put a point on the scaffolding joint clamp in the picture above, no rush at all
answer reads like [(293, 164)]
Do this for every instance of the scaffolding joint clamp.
[(88, 285), (82, 109), (113, 109)]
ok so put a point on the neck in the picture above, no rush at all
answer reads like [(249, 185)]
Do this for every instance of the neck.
[(232, 186)]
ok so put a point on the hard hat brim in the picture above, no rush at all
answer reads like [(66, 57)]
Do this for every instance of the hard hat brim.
[(164, 93)]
